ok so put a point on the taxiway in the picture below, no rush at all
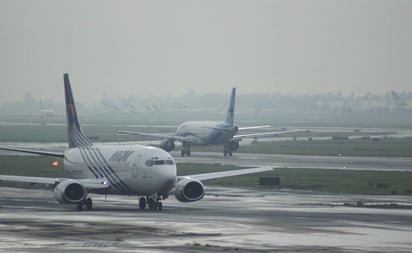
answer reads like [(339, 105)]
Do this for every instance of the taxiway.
[(252, 160), (227, 219), (300, 161)]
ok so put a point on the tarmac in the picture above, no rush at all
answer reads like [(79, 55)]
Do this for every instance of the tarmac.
[(338, 162), (226, 220)]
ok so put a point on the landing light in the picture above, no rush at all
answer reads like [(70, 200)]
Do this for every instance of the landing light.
[(55, 163)]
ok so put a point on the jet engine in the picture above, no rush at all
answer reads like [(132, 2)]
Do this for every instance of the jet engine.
[(189, 190), (167, 145), (69, 192)]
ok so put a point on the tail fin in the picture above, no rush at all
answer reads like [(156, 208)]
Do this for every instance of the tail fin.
[(75, 135), (231, 110)]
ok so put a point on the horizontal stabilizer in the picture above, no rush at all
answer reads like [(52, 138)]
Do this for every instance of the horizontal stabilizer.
[(254, 127)]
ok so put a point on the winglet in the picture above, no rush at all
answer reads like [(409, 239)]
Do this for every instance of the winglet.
[(75, 135), (231, 110)]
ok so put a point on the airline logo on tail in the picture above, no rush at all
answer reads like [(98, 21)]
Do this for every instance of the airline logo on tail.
[(75, 135)]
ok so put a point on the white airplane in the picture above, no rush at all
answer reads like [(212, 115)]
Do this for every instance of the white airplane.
[(205, 133), (46, 112), (143, 171)]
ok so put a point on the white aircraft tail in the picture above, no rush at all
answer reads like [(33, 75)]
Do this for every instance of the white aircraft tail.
[(231, 110), (75, 135)]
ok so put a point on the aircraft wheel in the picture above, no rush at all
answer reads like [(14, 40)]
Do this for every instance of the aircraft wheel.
[(89, 204), (142, 203), (158, 206), (151, 203), (79, 207), (188, 153), (225, 153), (182, 153)]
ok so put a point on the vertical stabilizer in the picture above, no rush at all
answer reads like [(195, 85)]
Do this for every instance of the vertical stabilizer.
[(75, 135), (231, 110)]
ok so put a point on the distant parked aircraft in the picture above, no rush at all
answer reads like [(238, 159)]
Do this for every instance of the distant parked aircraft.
[(46, 112), (398, 100)]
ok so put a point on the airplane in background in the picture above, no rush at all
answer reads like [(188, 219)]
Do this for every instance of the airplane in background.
[(46, 112), (399, 101), (143, 171), (205, 133)]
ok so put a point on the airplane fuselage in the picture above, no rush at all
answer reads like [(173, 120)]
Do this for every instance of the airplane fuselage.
[(130, 169), (205, 133)]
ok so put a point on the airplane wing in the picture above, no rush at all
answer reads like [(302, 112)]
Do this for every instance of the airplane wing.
[(229, 173), (156, 135), (34, 180), (91, 184), (254, 135), (32, 151)]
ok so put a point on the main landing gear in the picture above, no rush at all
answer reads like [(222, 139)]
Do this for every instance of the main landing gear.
[(227, 153), (230, 147), (152, 202), (185, 153), (185, 149), (87, 203)]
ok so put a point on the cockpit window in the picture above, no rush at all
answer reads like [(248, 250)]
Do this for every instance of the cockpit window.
[(155, 161), (159, 162), (169, 162)]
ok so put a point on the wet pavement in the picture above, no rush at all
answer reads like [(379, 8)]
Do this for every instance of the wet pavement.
[(227, 219)]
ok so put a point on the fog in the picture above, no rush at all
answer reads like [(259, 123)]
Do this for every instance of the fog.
[(171, 48), (374, 109)]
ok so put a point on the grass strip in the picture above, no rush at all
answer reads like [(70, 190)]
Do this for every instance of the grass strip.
[(322, 180)]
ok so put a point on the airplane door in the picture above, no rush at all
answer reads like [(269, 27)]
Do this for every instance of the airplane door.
[(136, 165)]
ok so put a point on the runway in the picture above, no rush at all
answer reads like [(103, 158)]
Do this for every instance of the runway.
[(226, 220), (300, 161), (275, 160)]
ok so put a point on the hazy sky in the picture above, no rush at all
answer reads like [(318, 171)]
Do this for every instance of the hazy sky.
[(122, 48)]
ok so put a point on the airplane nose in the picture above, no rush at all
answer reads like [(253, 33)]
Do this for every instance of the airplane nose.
[(168, 178)]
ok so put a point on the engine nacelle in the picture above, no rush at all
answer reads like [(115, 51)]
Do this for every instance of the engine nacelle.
[(69, 192), (188, 190), (167, 145)]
